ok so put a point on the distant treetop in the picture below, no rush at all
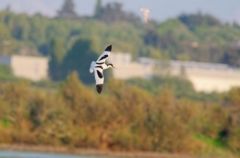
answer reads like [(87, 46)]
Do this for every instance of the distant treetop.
[(113, 12), (68, 10), (193, 21), (98, 8)]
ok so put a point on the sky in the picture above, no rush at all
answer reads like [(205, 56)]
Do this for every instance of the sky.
[(225, 10)]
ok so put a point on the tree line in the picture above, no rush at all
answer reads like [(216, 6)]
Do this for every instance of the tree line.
[(126, 118), (196, 37)]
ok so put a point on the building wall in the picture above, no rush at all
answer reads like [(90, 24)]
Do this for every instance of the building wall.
[(33, 68), (205, 77), (132, 70), (125, 68), (210, 80)]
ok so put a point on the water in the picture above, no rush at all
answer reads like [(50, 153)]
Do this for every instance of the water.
[(13, 154)]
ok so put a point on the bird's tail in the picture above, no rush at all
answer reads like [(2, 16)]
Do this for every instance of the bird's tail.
[(92, 67)]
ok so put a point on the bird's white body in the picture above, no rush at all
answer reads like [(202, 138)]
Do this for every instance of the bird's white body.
[(98, 66)]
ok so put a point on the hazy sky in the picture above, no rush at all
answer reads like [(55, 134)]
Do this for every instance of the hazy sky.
[(226, 10)]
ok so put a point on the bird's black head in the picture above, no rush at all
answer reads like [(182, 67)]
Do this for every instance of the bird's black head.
[(109, 48)]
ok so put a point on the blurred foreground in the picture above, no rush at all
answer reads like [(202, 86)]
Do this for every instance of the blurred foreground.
[(126, 118)]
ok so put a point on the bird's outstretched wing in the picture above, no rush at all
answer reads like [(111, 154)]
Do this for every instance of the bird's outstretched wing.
[(103, 57), (99, 78), (91, 69)]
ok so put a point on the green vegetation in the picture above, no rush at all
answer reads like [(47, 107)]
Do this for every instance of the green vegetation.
[(6, 74), (163, 114), (196, 37), (125, 117), (181, 87)]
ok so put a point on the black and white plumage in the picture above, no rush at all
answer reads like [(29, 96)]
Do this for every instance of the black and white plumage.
[(98, 66)]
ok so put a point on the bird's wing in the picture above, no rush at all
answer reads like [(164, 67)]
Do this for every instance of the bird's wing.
[(103, 57), (99, 78), (91, 69), (98, 74)]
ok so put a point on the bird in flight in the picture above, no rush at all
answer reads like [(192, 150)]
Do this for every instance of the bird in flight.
[(98, 66)]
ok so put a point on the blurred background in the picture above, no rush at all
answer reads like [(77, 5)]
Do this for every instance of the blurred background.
[(175, 91)]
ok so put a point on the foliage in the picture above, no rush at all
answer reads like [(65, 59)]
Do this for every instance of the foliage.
[(195, 37), (194, 21), (113, 12), (56, 59), (67, 10), (163, 114), (5, 73), (126, 117), (180, 86), (78, 59)]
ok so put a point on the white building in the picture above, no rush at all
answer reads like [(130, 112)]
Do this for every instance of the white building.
[(29, 67), (126, 68), (209, 77), (205, 77)]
